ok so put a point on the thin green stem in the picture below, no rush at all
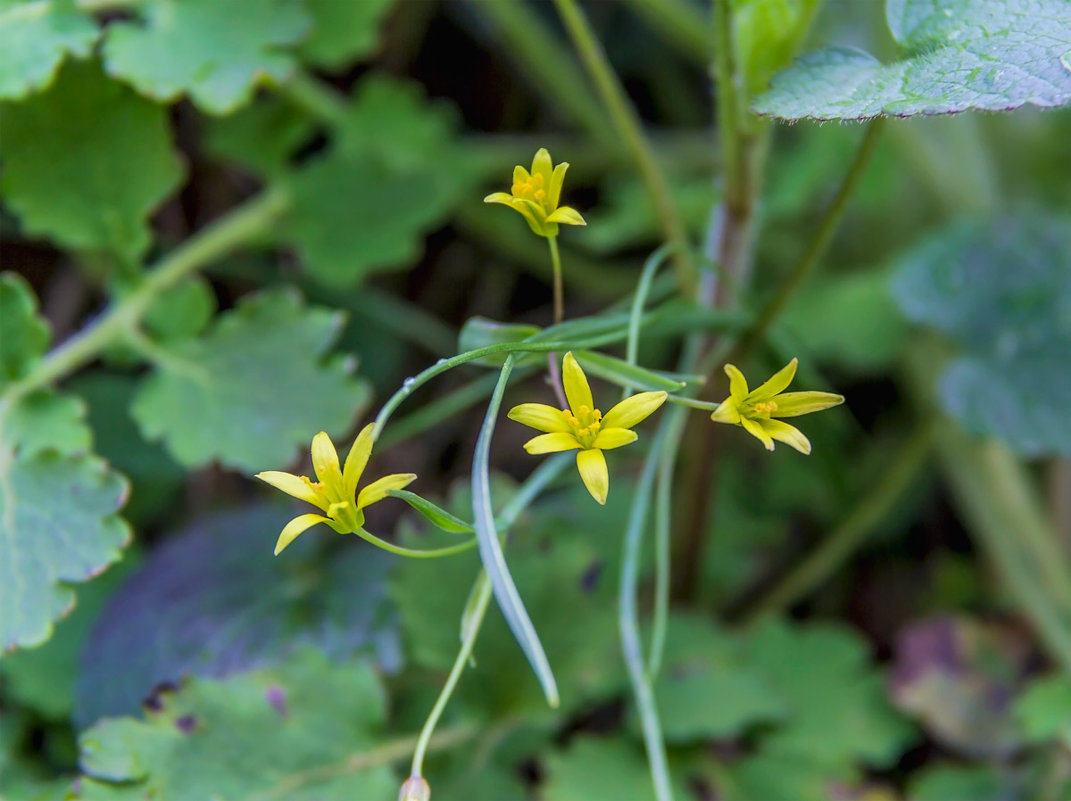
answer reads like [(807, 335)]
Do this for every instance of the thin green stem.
[(629, 128), (415, 553), (816, 248), (236, 228), (871, 509), (639, 300), (559, 295)]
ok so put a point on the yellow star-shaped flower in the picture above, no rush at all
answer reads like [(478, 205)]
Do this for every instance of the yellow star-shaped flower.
[(536, 194), (755, 411), (334, 491), (583, 427)]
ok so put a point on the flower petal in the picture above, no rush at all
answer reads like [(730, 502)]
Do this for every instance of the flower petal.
[(540, 417), (520, 175), (551, 443), (592, 466), (557, 178), (296, 486), (755, 429), (610, 438), (357, 459), (633, 409), (499, 197), (793, 404), (737, 383), (542, 165), (577, 389), (776, 383), (727, 412), (325, 460), (566, 215), (377, 490), (295, 527), (788, 434)]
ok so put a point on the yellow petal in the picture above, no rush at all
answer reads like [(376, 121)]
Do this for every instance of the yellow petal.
[(793, 404), (542, 165), (726, 412), (540, 417), (592, 466), (551, 443), (783, 432), (325, 460), (566, 216), (737, 383), (633, 409), (533, 214), (377, 490), (357, 459), (499, 197), (557, 178), (292, 485), (610, 438), (777, 382), (577, 389), (295, 527), (757, 431), (520, 175)]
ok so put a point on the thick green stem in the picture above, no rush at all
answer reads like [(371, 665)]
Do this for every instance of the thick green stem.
[(628, 126), (235, 229), (872, 508)]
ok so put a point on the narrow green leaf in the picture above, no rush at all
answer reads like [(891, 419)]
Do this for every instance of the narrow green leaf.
[(479, 332), (494, 561), (436, 515), (621, 372)]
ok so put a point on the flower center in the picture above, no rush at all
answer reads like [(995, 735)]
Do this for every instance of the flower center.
[(766, 407), (585, 424), (532, 189)]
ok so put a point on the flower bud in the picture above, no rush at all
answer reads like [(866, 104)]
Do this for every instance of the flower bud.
[(415, 788)]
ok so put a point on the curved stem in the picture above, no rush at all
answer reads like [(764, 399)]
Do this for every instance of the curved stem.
[(415, 553), (629, 128), (639, 300)]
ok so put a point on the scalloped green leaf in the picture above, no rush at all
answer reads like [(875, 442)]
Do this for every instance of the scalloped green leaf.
[(1044, 710), (24, 335), (217, 53), (1000, 289), (106, 147), (283, 732), (957, 55), (342, 31), (258, 384), (35, 38)]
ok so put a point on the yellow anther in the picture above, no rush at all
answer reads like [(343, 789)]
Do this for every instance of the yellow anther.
[(537, 180), (766, 406), (540, 194), (596, 426), (598, 414), (584, 410), (582, 432)]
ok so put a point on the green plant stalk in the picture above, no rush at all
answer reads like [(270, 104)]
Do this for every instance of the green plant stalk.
[(548, 64), (871, 509), (415, 553), (628, 126), (729, 109), (236, 228), (556, 263), (639, 300), (681, 23), (628, 622)]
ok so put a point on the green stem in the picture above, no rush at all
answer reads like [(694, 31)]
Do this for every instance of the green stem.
[(727, 86), (548, 64), (415, 553), (819, 242), (559, 298), (872, 508), (639, 300), (236, 228), (629, 128)]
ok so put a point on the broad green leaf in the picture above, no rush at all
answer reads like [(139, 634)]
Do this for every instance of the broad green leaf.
[(603, 768), (182, 312), (87, 162), (262, 137), (1000, 288), (436, 515), (213, 601), (784, 776), (1044, 710), (261, 381), (34, 40), (394, 173), (479, 332), (967, 782), (837, 709), (342, 31), (46, 420), (705, 690), (23, 334), (990, 55), (767, 34), (217, 53), (282, 732), (58, 525)]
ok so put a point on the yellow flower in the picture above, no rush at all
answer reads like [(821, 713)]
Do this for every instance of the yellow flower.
[(536, 196), (755, 410), (335, 490), (583, 427)]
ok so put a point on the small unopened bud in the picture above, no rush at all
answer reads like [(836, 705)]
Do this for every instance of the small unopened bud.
[(415, 789)]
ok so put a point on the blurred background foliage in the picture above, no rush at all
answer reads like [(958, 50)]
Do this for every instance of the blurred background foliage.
[(286, 195)]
